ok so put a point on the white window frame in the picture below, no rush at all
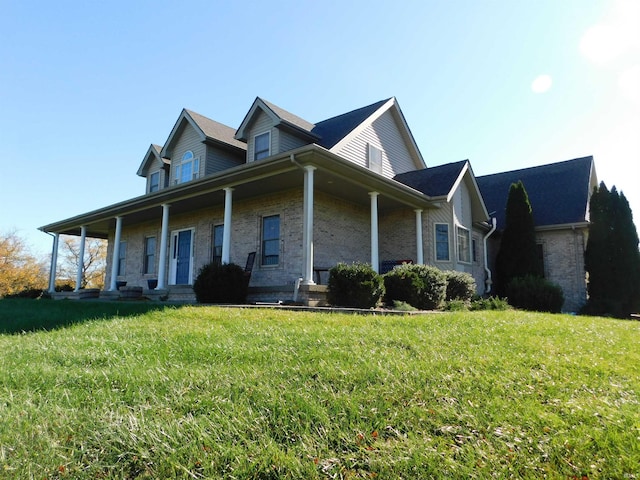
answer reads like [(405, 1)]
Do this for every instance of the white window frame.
[(374, 158), (255, 141), (263, 240), (214, 237), (463, 238), (149, 259), (193, 162), (122, 259), (435, 242)]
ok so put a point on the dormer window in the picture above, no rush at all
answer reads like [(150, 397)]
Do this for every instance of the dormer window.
[(154, 182), (188, 168), (261, 146)]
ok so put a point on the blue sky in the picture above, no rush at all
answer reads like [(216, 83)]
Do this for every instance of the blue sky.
[(85, 87)]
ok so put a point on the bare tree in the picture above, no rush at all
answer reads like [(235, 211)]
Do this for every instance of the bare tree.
[(94, 265)]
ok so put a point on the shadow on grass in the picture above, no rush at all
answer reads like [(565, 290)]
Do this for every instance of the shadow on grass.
[(26, 315)]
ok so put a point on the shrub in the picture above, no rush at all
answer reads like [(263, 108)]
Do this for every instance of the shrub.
[(356, 285), (490, 303), (421, 286), (456, 305), (460, 286), (221, 283), (535, 293), (65, 287), (33, 293)]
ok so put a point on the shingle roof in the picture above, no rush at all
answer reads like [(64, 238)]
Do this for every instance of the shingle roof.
[(289, 117), (332, 130), (435, 181), (558, 192), (216, 130)]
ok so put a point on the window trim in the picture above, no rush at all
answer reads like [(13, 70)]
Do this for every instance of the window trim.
[(255, 148), (436, 243), (263, 241), (374, 158), (214, 227), (149, 259), (467, 236), (151, 184), (193, 162), (122, 259)]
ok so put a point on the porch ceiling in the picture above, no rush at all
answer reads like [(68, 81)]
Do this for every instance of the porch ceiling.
[(333, 176)]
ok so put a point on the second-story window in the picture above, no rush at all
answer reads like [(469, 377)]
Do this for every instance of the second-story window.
[(261, 147), (188, 168), (154, 182)]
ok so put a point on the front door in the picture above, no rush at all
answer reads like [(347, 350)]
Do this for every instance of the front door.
[(181, 252)]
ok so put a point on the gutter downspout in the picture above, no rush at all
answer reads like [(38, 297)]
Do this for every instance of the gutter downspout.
[(488, 282)]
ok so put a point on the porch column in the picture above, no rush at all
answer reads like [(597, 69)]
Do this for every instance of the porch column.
[(419, 245), (307, 227), (375, 262), (115, 257), (83, 238), (54, 263), (162, 262), (226, 229)]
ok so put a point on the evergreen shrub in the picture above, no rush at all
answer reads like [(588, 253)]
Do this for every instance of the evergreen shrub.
[(221, 283), (356, 285), (460, 286), (535, 293), (421, 286)]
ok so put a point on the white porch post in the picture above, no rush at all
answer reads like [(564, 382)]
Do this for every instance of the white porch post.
[(307, 227), (375, 263), (419, 245), (226, 229), (54, 263), (162, 262), (83, 238), (115, 257)]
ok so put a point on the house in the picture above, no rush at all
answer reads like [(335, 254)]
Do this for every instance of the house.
[(303, 196), (559, 195)]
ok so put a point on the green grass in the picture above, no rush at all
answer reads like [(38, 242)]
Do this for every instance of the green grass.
[(206, 392)]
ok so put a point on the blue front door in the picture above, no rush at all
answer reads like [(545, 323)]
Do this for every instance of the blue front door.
[(183, 257)]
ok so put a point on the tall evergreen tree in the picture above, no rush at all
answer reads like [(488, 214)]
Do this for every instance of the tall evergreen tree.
[(612, 259), (518, 255)]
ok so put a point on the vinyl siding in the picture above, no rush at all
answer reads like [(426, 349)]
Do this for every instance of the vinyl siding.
[(384, 134), (262, 123), (189, 140), (155, 166), (219, 160), (289, 142)]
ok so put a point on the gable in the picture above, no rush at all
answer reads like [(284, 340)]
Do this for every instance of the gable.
[(559, 192)]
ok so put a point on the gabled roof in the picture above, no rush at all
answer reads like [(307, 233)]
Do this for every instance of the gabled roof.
[(558, 192), (435, 181), (334, 129), (443, 181), (279, 116), (209, 131), (152, 154)]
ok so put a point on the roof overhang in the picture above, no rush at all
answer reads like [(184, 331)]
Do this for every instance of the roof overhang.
[(333, 175)]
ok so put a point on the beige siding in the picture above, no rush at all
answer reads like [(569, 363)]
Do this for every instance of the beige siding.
[(189, 140), (155, 166), (384, 134), (289, 142)]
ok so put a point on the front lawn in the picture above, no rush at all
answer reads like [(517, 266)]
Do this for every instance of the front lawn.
[(208, 392)]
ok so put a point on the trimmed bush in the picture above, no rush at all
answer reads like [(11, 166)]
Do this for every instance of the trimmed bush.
[(460, 286), (356, 285), (490, 303), (421, 286), (221, 283), (33, 293), (535, 293)]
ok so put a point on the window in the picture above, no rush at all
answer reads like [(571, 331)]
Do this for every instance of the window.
[(188, 168), (150, 255), (374, 158), (442, 242), (271, 240), (261, 147), (540, 255), (218, 232), (154, 182), (474, 250), (122, 256), (464, 245)]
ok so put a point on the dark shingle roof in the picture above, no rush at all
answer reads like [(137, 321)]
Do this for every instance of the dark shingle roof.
[(334, 129), (435, 181), (558, 192)]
